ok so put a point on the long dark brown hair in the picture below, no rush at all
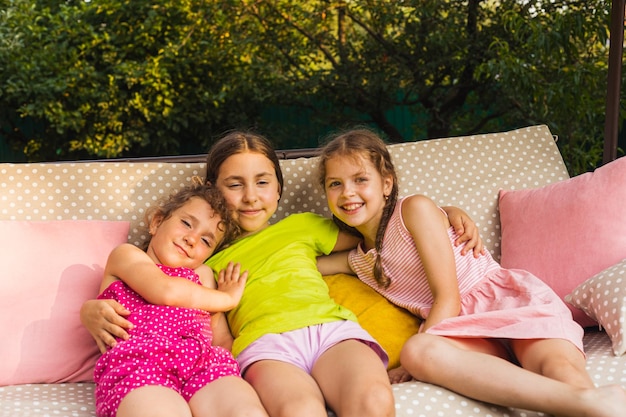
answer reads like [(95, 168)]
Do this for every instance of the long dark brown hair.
[(364, 143), (239, 142)]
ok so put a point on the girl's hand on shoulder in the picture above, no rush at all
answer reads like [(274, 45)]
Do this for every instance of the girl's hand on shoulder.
[(232, 281), (468, 233)]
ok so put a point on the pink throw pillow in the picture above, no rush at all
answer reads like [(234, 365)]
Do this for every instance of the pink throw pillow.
[(568, 231), (49, 269)]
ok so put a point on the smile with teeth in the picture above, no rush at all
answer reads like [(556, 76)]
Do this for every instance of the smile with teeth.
[(352, 206)]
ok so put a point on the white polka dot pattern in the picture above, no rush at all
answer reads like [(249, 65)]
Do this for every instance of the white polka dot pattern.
[(43, 400), (602, 365), (86, 191), (603, 298), (424, 400)]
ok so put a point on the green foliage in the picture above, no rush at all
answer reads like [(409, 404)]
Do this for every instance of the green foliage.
[(112, 78), (458, 67), (107, 78), (553, 70)]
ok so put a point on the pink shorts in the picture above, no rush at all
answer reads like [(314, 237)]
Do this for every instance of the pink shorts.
[(303, 347)]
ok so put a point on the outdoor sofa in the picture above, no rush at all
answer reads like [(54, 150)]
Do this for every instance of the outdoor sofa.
[(58, 222)]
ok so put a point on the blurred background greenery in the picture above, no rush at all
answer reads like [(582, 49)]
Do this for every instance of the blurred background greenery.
[(110, 78)]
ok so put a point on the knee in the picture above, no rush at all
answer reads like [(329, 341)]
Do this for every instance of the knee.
[(418, 354), (555, 359), (566, 369), (548, 365), (371, 399), (378, 401)]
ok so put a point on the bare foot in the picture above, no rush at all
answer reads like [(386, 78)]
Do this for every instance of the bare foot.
[(398, 375), (606, 401)]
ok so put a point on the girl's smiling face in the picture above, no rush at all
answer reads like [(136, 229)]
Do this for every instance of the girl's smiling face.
[(356, 192), (249, 184), (186, 238)]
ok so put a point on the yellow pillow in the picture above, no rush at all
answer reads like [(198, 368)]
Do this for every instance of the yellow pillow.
[(389, 324)]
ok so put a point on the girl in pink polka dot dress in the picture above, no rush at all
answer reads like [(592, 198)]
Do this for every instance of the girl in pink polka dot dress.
[(170, 364)]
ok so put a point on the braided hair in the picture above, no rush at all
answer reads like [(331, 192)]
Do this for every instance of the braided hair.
[(364, 143)]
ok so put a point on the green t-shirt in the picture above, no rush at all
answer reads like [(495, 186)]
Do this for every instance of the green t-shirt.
[(284, 291)]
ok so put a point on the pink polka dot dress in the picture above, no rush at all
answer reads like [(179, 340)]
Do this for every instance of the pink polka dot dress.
[(168, 346)]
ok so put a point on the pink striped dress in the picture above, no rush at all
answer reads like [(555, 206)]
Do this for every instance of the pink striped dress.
[(495, 302)]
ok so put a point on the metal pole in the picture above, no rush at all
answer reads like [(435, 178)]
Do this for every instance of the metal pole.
[(611, 125)]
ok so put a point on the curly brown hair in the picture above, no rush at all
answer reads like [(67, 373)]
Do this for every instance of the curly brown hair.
[(198, 188)]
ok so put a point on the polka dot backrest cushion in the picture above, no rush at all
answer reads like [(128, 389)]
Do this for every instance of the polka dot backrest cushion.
[(89, 191), (466, 172)]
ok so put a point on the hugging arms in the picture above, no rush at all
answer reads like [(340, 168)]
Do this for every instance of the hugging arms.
[(106, 319)]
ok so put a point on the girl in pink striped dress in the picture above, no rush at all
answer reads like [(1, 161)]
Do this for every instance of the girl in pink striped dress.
[(496, 335)]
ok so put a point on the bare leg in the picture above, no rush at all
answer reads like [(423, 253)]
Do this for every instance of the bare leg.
[(555, 358), (229, 396), (354, 381), (153, 401), (462, 365), (286, 390)]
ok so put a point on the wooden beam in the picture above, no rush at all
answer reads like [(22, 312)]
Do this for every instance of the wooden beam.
[(614, 81)]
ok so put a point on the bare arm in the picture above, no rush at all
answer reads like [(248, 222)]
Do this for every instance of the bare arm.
[(335, 263), (428, 227), (221, 332), (465, 227), (133, 266), (105, 319), (345, 241)]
